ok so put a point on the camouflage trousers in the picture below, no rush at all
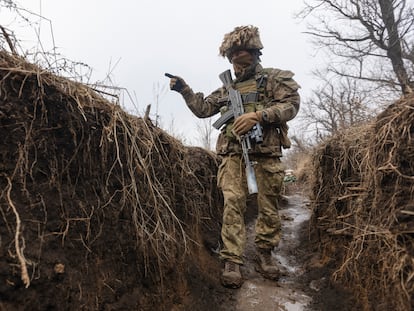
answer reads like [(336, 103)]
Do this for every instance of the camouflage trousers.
[(232, 182)]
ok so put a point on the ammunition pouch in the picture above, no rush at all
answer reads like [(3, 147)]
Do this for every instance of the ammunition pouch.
[(251, 97), (255, 98)]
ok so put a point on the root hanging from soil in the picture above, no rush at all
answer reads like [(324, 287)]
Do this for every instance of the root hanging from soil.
[(363, 210), (19, 251), (124, 207)]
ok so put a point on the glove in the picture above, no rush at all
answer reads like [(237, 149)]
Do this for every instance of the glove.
[(176, 83), (246, 121)]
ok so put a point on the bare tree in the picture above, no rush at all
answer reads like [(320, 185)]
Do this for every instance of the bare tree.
[(205, 133), (371, 40), (336, 105), (173, 130)]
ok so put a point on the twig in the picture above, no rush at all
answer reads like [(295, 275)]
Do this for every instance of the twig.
[(7, 37), (147, 112), (24, 274)]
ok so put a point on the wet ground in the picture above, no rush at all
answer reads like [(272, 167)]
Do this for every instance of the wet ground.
[(305, 284), (287, 294)]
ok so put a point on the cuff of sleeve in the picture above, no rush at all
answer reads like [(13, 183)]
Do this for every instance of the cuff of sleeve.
[(270, 116)]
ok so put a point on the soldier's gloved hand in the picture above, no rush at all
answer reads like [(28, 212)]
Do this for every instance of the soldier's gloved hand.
[(176, 83), (246, 121)]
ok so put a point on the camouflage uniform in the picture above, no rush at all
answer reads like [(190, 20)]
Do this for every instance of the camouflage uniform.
[(278, 98)]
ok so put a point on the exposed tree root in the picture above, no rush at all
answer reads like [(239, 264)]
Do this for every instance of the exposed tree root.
[(19, 250)]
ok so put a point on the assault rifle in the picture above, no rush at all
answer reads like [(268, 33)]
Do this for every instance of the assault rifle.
[(256, 134)]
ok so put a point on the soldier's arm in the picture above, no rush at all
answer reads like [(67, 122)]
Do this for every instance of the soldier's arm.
[(284, 102), (203, 107), (200, 106)]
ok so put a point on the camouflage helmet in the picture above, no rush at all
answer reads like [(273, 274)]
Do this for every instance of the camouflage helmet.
[(242, 37)]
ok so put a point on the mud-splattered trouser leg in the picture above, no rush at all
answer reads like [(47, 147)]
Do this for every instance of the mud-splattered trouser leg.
[(232, 182), (269, 175)]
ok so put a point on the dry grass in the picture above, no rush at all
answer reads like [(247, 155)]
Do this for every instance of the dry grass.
[(363, 207), (103, 168)]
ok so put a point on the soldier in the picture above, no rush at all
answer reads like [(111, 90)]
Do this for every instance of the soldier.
[(270, 97)]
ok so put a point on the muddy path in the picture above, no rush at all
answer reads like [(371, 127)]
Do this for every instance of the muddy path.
[(258, 293), (304, 284)]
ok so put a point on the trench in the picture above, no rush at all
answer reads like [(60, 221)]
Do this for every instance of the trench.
[(258, 293)]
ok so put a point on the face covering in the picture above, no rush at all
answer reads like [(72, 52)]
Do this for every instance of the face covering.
[(243, 65)]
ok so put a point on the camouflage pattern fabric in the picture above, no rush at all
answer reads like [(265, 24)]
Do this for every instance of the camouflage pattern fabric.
[(232, 181), (280, 100), (243, 37)]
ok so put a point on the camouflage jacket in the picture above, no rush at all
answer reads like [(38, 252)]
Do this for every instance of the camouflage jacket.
[(277, 95)]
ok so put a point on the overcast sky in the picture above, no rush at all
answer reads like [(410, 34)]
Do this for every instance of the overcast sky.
[(138, 41)]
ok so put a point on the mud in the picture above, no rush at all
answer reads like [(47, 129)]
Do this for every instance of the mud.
[(304, 284), (258, 293)]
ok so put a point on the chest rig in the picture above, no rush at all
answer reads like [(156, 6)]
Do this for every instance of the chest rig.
[(252, 92)]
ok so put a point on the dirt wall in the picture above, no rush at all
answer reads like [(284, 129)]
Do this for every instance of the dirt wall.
[(363, 208), (100, 210)]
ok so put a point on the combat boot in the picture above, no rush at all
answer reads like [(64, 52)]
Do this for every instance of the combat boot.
[(266, 265), (231, 276)]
